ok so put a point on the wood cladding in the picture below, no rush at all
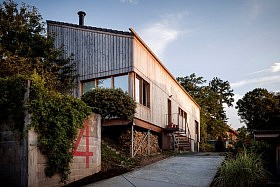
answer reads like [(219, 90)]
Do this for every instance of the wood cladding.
[(96, 53)]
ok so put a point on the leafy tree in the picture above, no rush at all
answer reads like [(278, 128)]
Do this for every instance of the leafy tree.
[(25, 48), (211, 98), (109, 102), (243, 139), (223, 90), (260, 110), (192, 84)]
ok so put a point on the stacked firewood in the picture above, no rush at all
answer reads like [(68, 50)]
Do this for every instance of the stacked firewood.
[(140, 142)]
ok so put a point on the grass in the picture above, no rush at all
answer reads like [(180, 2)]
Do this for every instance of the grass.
[(246, 170)]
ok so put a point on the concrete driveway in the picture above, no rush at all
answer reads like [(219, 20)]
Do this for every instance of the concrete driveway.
[(196, 170)]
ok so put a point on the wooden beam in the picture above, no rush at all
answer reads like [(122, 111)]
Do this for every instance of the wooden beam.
[(146, 125), (115, 122)]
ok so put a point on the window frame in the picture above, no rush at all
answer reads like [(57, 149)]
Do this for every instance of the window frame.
[(112, 82), (144, 86)]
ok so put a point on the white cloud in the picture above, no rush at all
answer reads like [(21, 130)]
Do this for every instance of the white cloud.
[(260, 80), (275, 68), (160, 34), (272, 69), (130, 1)]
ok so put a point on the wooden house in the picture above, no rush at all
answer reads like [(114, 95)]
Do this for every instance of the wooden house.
[(116, 59)]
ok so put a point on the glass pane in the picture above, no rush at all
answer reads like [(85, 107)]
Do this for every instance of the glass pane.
[(145, 90), (121, 82), (88, 86), (104, 83), (137, 90)]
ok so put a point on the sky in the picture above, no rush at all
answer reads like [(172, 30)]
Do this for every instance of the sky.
[(235, 40)]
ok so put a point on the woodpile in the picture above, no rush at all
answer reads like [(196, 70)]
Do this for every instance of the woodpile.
[(141, 145)]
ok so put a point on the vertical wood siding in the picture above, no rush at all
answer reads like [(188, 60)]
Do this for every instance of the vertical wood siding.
[(162, 85), (97, 54)]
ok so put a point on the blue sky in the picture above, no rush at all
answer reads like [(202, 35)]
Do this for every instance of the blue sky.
[(235, 40)]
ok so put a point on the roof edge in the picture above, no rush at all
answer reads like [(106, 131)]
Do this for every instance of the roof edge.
[(127, 33)]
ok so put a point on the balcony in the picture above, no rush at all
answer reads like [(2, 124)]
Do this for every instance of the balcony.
[(174, 122)]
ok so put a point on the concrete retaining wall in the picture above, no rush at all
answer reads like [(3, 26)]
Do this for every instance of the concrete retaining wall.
[(22, 164)]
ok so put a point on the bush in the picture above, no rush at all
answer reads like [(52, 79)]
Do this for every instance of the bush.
[(12, 90), (206, 147), (244, 171), (110, 103)]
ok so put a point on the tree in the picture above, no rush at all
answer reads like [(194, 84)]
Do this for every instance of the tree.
[(25, 48), (222, 88), (211, 99), (109, 102), (192, 84), (260, 110)]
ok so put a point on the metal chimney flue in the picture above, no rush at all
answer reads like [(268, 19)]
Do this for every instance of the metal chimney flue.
[(82, 15)]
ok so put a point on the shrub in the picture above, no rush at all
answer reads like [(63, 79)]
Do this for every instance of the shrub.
[(244, 171), (110, 103), (206, 147), (12, 90)]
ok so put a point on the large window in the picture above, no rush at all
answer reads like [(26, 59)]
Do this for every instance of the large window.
[(88, 86), (104, 83), (109, 82), (121, 82), (142, 91), (137, 90)]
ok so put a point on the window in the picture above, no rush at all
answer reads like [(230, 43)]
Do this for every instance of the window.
[(182, 119), (104, 83), (121, 82), (145, 92), (88, 86), (142, 91), (109, 82), (137, 90)]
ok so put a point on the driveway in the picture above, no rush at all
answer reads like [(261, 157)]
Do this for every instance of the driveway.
[(189, 171)]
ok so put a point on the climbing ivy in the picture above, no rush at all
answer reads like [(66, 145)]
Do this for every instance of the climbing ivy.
[(55, 117)]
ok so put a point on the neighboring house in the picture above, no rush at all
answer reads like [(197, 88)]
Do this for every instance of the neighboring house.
[(231, 137), (116, 59)]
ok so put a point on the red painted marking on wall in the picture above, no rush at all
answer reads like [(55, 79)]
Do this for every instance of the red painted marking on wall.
[(87, 153)]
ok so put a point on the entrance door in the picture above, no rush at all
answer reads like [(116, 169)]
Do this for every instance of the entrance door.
[(169, 117), (196, 136)]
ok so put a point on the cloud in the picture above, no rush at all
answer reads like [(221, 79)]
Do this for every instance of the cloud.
[(130, 1), (158, 35), (272, 69), (260, 80), (275, 68)]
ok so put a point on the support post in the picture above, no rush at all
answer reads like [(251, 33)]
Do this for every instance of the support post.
[(132, 140), (149, 142)]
